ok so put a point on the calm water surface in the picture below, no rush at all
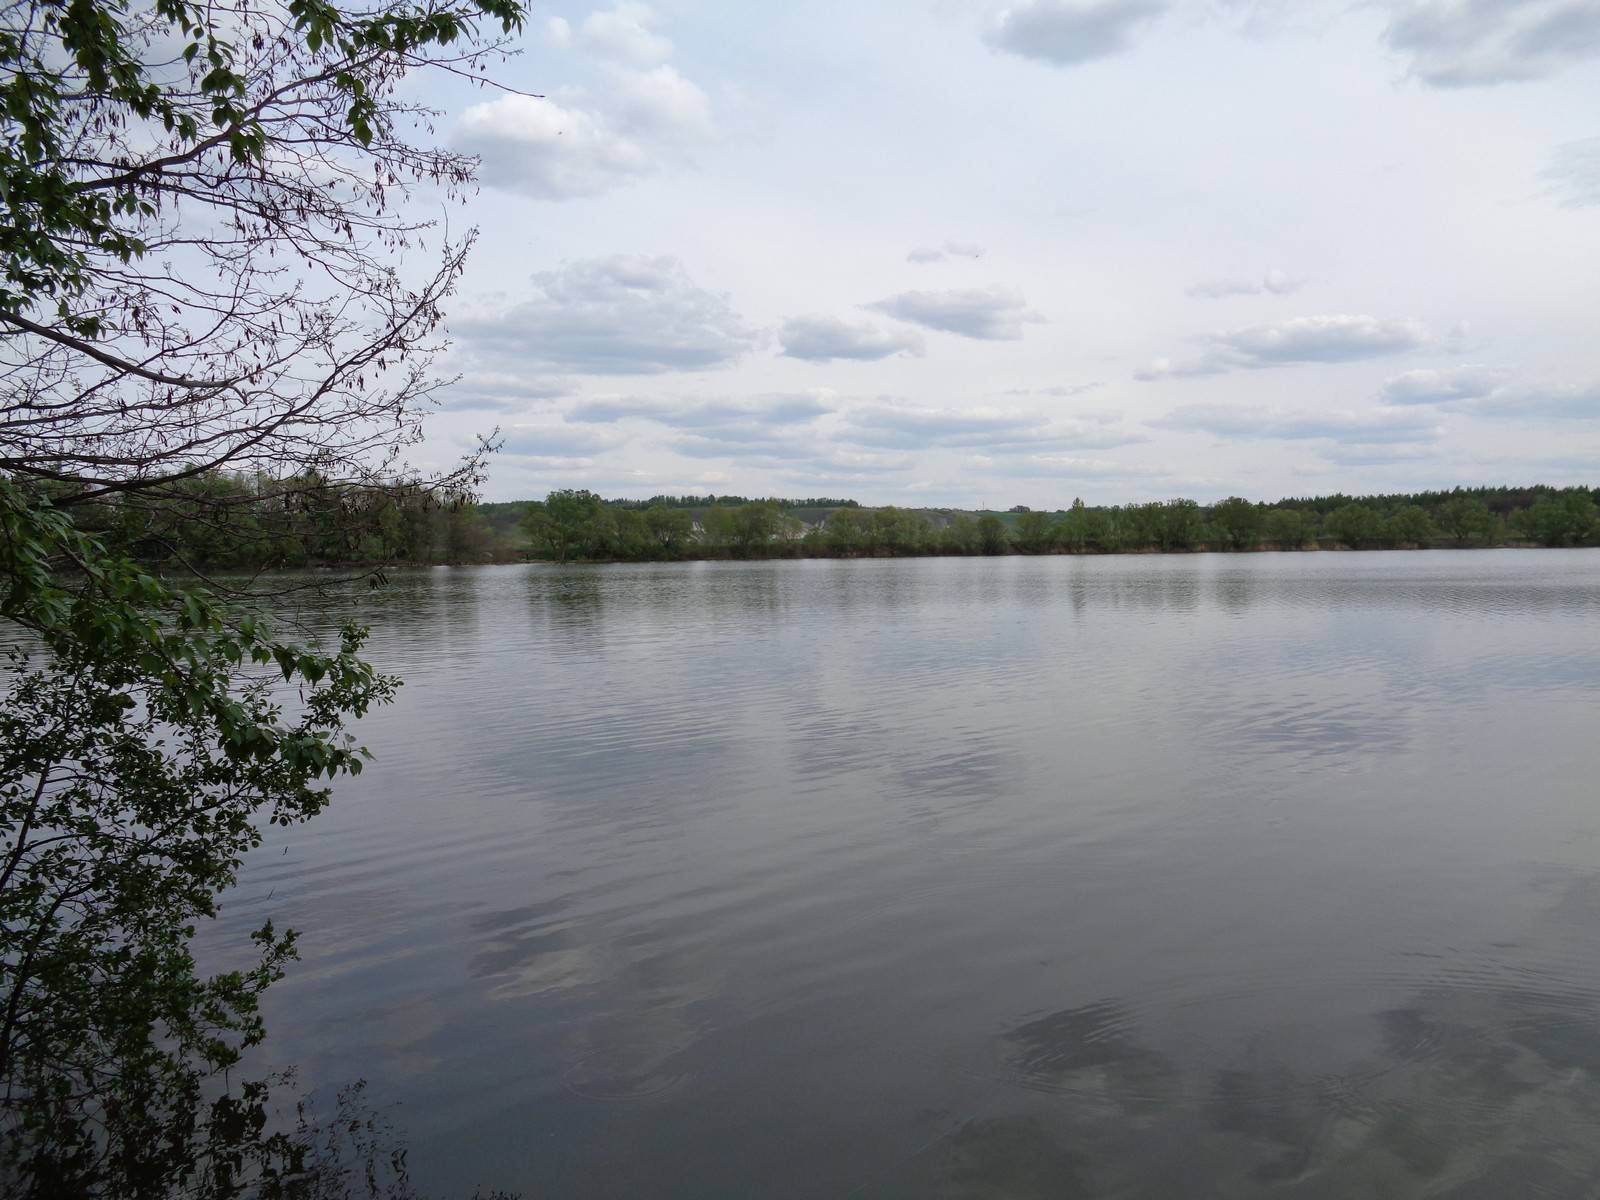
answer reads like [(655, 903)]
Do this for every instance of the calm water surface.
[(1268, 875)]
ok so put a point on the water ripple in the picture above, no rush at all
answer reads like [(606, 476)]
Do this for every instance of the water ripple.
[(1252, 875)]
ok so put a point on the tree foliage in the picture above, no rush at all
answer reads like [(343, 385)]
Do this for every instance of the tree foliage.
[(207, 262), (671, 528), (1563, 520), (1465, 519), (135, 756), (1238, 524), (215, 313), (1287, 528)]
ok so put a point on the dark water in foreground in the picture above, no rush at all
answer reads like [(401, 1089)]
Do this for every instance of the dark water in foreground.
[(1270, 875)]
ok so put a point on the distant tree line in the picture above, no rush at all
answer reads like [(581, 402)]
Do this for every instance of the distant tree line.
[(226, 522), (574, 525), (220, 521), (711, 501)]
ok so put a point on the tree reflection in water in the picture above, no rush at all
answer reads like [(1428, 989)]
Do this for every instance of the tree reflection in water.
[(261, 1140)]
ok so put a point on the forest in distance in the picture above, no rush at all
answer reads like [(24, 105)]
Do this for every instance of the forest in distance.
[(395, 524)]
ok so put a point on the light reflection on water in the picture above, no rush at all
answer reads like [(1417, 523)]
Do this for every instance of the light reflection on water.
[(1265, 875)]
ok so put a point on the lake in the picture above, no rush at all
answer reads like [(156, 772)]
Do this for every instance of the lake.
[(1252, 875)]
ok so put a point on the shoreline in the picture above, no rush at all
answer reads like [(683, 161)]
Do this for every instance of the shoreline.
[(803, 555)]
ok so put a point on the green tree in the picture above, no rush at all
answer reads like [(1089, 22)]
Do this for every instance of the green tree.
[(717, 523), (1140, 525), (464, 535), (756, 525), (544, 539), (1288, 528), (960, 536), (1072, 531), (1408, 525), (620, 533), (1168, 525), (1034, 532), (1104, 530), (1562, 520), (1238, 524), (993, 537), (1356, 526), (186, 300), (672, 528), (1464, 519), (894, 531), (746, 529), (569, 523), (846, 530), (137, 761)]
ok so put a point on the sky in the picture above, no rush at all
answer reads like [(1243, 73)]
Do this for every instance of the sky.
[(954, 253)]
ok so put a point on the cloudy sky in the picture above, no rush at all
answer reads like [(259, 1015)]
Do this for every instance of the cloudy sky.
[(949, 252)]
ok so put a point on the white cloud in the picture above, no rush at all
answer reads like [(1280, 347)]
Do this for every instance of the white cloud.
[(1323, 339), (1251, 422), (987, 314), (1442, 385), (950, 249), (623, 35), (1489, 392), (553, 440), (769, 429), (1333, 338), (1369, 455), (1073, 467), (1062, 390), (1541, 402), (502, 391), (1278, 283), (646, 118), (1069, 32), (1474, 43), (1573, 173), (660, 107), (792, 408), (1166, 368), (824, 339), (911, 427), (741, 442), (621, 315), (1114, 190), (538, 147)]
